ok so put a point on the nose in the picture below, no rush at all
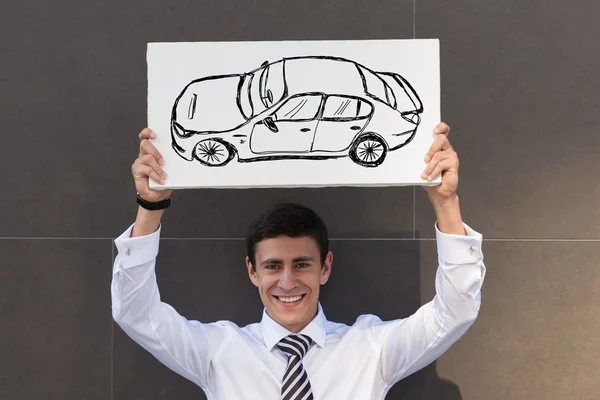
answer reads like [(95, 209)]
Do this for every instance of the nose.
[(287, 280)]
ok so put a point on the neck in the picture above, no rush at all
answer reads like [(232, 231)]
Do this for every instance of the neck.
[(296, 328)]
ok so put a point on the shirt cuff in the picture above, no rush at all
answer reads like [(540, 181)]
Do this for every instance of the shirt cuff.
[(138, 250), (459, 249)]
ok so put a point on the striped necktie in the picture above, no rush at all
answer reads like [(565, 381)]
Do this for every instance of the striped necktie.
[(295, 384)]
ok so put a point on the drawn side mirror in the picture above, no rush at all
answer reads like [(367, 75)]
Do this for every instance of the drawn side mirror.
[(269, 123), (268, 99)]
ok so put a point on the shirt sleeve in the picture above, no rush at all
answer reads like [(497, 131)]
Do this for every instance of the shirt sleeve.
[(410, 344), (186, 347)]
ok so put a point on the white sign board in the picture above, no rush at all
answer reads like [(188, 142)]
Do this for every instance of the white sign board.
[(293, 113)]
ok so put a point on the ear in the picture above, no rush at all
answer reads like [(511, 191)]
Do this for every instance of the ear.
[(326, 268), (251, 272)]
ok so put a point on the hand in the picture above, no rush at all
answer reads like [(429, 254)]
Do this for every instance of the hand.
[(148, 165), (443, 160)]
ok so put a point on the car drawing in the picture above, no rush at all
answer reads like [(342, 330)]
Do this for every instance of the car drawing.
[(313, 107)]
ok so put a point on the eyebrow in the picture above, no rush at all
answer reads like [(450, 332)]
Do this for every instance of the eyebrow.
[(279, 261)]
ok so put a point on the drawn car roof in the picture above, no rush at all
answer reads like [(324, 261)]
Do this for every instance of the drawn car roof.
[(323, 74)]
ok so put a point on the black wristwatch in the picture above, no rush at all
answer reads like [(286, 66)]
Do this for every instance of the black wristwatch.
[(159, 205)]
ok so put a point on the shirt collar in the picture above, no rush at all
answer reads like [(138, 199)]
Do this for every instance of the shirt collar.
[(273, 332)]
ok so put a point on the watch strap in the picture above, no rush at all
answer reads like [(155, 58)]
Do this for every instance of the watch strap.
[(153, 206)]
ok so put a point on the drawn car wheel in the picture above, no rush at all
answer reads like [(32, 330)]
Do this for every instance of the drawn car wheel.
[(214, 152), (368, 150)]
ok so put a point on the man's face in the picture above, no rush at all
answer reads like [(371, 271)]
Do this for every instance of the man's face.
[(288, 277)]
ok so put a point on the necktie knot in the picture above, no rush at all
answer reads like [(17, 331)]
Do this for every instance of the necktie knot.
[(295, 345)]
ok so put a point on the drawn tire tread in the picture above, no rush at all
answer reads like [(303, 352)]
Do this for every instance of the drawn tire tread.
[(214, 152), (368, 150)]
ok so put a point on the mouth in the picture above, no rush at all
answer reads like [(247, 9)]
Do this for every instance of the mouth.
[(289, 301)]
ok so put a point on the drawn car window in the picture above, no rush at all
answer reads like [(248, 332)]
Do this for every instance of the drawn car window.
[(273, 84), (267, 87), (343, 108), (244, 99), (299, 108), (390, 96), (375, 86)]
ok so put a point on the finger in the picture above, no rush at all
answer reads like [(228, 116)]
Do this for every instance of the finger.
[(441, 142), (141, 184), (146, 147), (442, 129), (151, 161), (437, 158), (146, 133), (442, 166), (143, 170)]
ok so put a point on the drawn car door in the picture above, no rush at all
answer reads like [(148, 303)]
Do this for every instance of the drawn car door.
[(343, 118), (290, 128)]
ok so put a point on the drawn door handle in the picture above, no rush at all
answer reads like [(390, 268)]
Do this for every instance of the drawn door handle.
[(304, 129), (355, 128)]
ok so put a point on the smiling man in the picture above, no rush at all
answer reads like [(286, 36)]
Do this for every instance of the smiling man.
[(294, 352), (288, 261)]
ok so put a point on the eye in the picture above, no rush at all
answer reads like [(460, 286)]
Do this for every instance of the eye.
[(303, 265), (271, 266)]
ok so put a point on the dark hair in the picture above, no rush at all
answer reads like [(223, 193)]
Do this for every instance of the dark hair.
[(287, 219)]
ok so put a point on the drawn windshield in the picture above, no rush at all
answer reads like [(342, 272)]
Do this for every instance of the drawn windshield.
[(262, 89)]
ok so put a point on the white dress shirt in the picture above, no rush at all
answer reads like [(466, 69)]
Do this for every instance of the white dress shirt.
[(361, 361)]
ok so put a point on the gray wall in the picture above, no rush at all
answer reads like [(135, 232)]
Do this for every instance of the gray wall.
[(520, 90)]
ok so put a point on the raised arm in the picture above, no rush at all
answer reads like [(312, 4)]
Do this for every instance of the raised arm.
[(442, 159), (148, 165), (186, 347), (409, 344)]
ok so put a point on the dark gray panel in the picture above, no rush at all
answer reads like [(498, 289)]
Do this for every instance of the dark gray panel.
[(519, 89), (348, 212), (56, 319), (536, 337), (74, 99), (206, 280)]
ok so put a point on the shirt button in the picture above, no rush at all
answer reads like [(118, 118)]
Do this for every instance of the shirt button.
[(128, 251), (471, 250)]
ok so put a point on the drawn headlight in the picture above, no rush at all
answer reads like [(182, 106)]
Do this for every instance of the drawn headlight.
[(412, 117), (180, 131)]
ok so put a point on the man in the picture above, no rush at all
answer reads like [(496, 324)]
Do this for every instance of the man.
[(295, 352)]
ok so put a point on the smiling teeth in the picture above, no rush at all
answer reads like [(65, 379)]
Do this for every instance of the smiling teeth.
[(290, 299)]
